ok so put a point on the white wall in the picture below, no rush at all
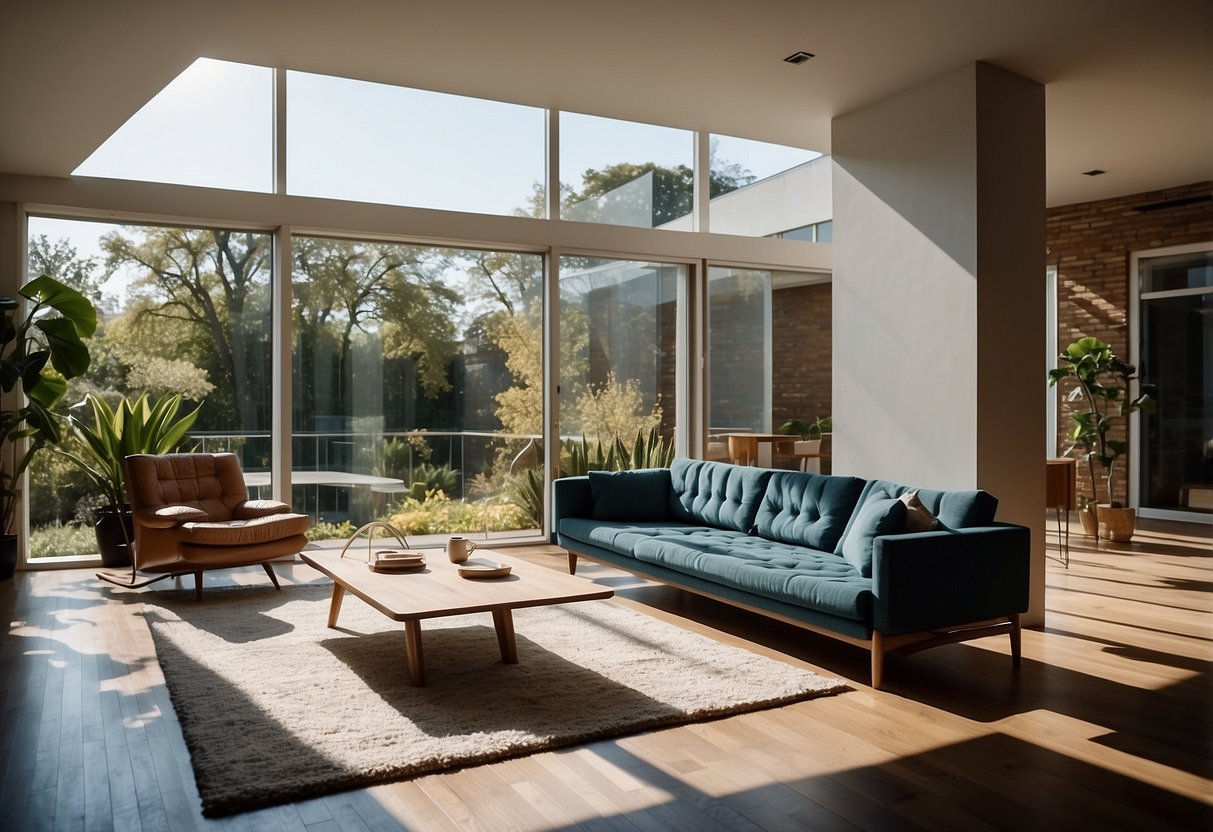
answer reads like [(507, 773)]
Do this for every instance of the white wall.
[(939, 292)]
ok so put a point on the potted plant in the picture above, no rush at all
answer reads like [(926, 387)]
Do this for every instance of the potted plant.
[(39, 352), (810, 434), (1103, 385), (138, 427)]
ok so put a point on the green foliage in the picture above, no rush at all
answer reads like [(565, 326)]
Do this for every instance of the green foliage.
[(38, 354), (525, 490), (807, 430), (203, 296), (438, 514), (62, 540), (651, 451), (393, 458), (137, 427), (1102, 384), (614, 408), (431, 478), (330, 531)]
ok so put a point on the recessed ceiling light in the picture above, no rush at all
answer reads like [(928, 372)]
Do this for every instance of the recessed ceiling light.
[(1094, 172), (798, 57)]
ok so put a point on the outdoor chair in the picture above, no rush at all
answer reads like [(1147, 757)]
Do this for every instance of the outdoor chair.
[(191, 513)]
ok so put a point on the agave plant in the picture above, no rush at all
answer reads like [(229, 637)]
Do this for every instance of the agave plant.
[(138, 427), (649, 451)]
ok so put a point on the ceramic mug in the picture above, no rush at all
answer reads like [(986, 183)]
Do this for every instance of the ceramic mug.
[(459, 548)]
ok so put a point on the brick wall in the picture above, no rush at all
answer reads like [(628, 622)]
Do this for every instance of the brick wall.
[(1090, 244), (801, 353)]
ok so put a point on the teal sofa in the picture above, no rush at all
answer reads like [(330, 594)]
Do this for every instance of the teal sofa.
[(833, 554)]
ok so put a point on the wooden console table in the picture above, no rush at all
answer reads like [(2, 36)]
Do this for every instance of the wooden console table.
[(1061, 494)]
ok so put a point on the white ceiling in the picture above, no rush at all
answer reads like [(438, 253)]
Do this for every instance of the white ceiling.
[(1129, 83)]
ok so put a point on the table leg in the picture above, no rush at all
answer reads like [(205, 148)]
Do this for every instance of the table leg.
[(503, 620), (335, 604), (742, 449), (412, 642)]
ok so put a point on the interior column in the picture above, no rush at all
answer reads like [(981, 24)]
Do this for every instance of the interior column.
[(939, 292)]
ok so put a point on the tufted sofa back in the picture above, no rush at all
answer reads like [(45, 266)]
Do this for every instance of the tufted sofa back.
[(716, 493), (808, 509)]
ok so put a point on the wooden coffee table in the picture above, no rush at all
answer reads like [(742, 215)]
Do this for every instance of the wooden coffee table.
[(439, 591)]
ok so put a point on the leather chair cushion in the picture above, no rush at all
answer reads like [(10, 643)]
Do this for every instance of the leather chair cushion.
[(244, 532)]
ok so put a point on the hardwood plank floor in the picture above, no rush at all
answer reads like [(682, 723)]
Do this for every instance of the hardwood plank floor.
[(1108, 724)]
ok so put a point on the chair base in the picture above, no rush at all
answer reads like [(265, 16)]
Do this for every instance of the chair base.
[(137, 581)]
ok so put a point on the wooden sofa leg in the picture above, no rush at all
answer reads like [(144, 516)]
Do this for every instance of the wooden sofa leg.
[(572, 563), (269, 570), (1016, 641), (877, 659), (197, 586)]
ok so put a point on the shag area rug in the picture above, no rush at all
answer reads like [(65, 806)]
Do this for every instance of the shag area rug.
[(277, 707)]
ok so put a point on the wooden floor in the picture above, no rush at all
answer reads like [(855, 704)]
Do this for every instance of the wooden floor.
[(1107, 725)]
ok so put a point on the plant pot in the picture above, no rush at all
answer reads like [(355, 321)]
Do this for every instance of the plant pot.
[(1116, 523), (8, 556), (112, 543), (1090, 523)]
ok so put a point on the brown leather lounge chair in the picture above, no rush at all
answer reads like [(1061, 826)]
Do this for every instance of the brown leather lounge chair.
[(192, 513)]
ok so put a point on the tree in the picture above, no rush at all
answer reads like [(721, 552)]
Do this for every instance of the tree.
[(672, 189), (395, 293), (62, 260), (214, 285)]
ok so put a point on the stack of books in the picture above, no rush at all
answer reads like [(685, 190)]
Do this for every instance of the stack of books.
[(394, 560)]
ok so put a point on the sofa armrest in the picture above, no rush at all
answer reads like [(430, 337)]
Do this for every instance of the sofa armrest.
[(166, 517), (252, 509), (929, 580), (570, 498)]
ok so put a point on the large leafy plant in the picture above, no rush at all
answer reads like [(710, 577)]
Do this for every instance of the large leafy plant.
[(1103, 384), (133, 427), (39, 352)]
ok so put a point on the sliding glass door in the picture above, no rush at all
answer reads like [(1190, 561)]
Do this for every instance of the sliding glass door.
[(1175, 470)]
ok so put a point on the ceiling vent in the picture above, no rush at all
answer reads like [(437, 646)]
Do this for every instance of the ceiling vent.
[(798, 57)]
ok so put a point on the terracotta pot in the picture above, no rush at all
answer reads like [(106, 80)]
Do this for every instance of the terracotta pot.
[(1116, 523), (1090, 524)]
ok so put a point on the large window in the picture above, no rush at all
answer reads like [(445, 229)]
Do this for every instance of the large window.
[(417, 389), (626, 173), (398, 146), (769, 354), (181, 311), (213, 126), (618, 353), (760, 189)]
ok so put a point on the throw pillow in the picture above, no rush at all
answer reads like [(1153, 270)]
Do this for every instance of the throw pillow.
[(918, 519), (879, 514), (630, 495)]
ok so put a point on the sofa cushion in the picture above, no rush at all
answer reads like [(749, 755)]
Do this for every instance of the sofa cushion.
[(716, 493), (880, 513), (631, 495), (795, 575), (620, 536), (807, 509)]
